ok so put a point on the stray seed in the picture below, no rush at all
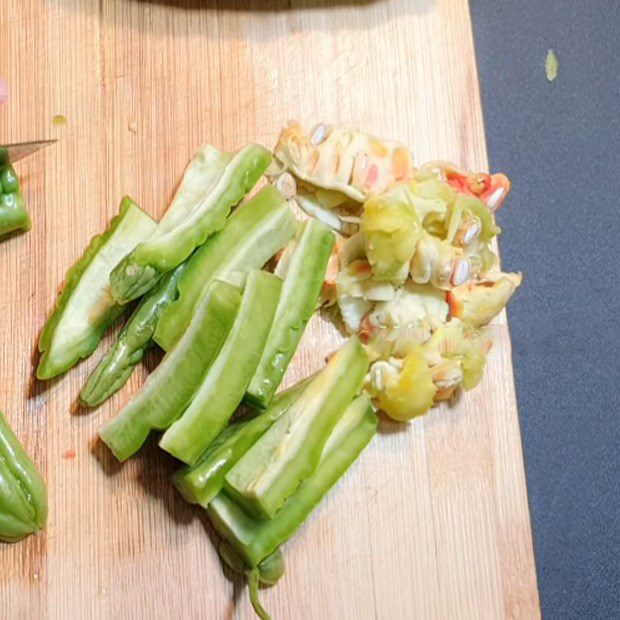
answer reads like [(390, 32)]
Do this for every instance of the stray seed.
[(286, 185)]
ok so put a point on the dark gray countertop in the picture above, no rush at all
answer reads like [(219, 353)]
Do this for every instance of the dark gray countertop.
[(559, 143)]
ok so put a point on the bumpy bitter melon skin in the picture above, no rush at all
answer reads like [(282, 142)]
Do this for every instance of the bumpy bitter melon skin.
[(126, 230), (23, 496), (187, 225), (13, 213), (117, 365)]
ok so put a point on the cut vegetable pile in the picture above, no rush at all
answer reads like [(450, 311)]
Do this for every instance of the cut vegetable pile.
[(413, 272), (400, 257)]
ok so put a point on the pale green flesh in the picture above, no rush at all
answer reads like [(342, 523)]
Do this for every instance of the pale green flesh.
[(200, 483), (171, 386), (91, 300), (23, 496), (189, 215), (254, 539), (303, 273), (143, 268), (252, 235), (200, 178), (157, 249), (290, 450), (225, 383), (15, 509), (233, 524)]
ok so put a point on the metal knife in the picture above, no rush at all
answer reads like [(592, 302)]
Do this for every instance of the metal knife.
[(15, 152)]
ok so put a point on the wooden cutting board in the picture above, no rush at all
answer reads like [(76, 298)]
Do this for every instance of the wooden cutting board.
[(432, 522)]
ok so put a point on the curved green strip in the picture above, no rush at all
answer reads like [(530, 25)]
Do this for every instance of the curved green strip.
[(213, 184), (85, 308), (303, 281)]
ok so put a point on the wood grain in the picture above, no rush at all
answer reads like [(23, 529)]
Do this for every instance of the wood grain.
[(433, 521)]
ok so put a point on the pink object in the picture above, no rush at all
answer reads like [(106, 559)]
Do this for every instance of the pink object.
[(4, 91), (372, 176)]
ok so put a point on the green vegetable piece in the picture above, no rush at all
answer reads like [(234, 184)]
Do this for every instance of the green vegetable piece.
[(225, 383), (255, 540), (170, 387), (23, 497), (200, 483), (303, 267), (289, 452), (213, 183), (118, 363), (231, 557), (254, 233), (13, 214), (270, 570), (85, 308), (551, 66)]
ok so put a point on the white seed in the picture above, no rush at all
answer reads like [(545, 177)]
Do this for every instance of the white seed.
[(286, 185), (495, 198), (461, 271), (319, 134), (472, 233)]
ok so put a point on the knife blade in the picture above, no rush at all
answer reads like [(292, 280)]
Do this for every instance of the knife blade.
[(17, 151)]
